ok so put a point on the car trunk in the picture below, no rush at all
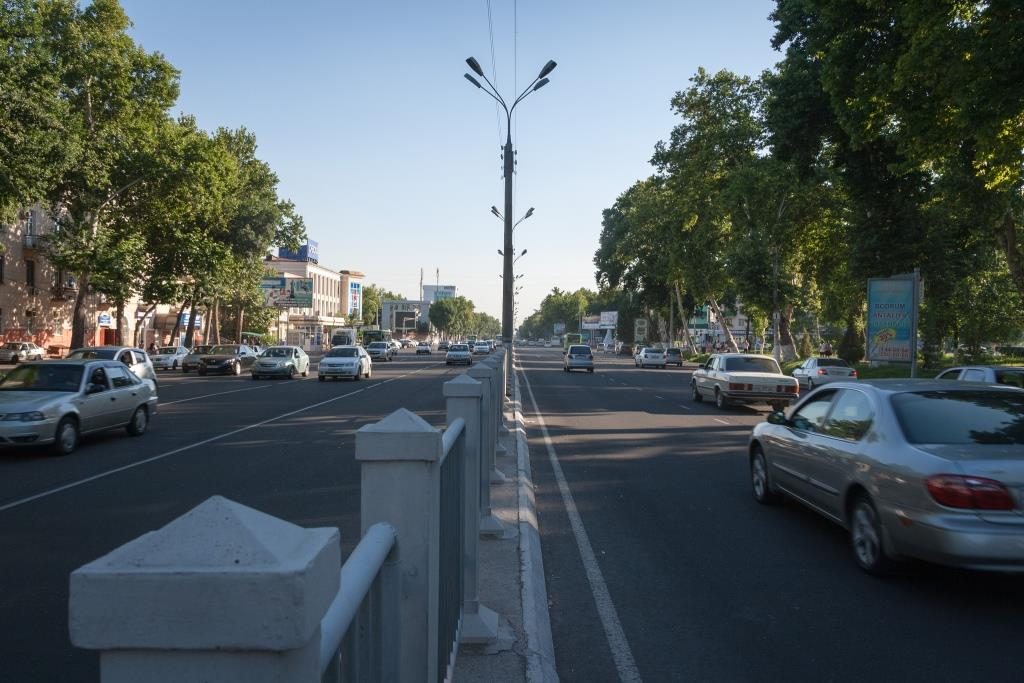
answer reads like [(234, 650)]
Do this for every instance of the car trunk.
[(835, 371), (1003, 463)]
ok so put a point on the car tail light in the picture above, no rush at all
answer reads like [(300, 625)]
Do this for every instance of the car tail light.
[(822, 371), (853, 373), (973, 493)]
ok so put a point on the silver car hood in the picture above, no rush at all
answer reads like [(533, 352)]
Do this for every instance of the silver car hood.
[(13, 401)]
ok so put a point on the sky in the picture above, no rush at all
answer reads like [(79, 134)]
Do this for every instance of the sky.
[(393, 158)]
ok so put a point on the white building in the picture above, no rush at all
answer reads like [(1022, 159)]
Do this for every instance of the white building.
[(331, 304)]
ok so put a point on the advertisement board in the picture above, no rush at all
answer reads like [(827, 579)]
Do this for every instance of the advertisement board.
[(640, 330), (892, 318), (592, 322), (355, 299), (183, 320), (282, 292), (609, 320), (559, 328), (404, 320)]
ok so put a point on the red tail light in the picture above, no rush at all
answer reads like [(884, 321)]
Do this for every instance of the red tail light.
[(853, 373), (792, 389), (733, 386), (972, 493), (821, 371)]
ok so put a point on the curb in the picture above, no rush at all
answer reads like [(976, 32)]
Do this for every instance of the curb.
[(540, 647)]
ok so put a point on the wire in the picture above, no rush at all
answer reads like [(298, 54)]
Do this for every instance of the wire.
[(494, 68)]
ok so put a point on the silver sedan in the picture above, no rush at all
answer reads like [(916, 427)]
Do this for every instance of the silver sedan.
[(927, 469), (55, 402)]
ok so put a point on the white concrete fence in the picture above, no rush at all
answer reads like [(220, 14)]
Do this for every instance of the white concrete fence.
[(229, 594)]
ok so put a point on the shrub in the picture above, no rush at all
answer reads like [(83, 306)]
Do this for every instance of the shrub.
[(805, 350)]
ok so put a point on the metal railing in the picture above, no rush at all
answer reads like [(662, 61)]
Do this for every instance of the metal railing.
[(353, 633), (452, 537)]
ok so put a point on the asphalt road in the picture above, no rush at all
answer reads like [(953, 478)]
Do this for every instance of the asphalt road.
[(704, 584), (283, 447)]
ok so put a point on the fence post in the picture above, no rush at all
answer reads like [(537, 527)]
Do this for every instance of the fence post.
[(489, 524), (223, 593), (464, 396), (498, 407), (401, 486)]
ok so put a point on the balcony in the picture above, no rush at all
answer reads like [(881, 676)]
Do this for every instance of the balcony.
[(64, 292), (33, 243)]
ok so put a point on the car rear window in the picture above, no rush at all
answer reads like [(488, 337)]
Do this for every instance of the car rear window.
[(458, 347), (1013, 378), (751, 364), (342, 353), (961, 417), (579, 350), (832, 362)]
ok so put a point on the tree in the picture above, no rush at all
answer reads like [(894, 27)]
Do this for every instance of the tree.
[(373, 299), (453, 317)]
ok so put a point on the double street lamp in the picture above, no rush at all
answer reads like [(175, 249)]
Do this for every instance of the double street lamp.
[(509, 166)]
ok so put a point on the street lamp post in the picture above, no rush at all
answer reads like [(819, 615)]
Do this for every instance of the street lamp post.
[(509, 166)]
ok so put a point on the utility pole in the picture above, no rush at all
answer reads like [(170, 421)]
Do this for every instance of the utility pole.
[(775, 305)]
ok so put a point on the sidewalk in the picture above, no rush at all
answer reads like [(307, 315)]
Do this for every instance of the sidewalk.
[(512, 575)]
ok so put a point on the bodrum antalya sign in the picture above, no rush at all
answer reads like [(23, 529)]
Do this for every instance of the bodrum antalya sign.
[(892, 318)]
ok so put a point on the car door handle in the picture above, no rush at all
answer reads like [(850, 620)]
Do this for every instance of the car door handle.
[(113, 398)]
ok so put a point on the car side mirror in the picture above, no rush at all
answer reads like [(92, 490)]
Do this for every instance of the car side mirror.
[(94, 388), (777, 417)]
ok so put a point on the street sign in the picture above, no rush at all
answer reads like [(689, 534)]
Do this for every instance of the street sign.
[(609, 320), (892, 318)]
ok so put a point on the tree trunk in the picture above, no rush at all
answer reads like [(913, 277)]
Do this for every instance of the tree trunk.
[(209, 320), (79, 315), (140, 331), (191, 327), (177, 324), (683, 319), (730, 342), (787, 348), (215, 330), (1006, 236), (119, 328), (241, 318)]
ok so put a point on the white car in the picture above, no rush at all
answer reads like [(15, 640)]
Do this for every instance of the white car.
[(817, 371), (168, 357), (649, 357), (481, 348), (16, 352), (459, 353), (423, 347), (345, 361), (743, 378)]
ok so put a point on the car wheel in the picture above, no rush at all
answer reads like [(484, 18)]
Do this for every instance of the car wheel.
[(866, 537), (184, 369), (321, 378), (66, 436), (174, 365), (720, 401), (695, 393), (255, 377), (140, 420), (778, 406), (810, 384), (760, 483), (202, 371), (305, 373), (356, 376), (369, 371), (291, 372), (236, 369), (590, 370)]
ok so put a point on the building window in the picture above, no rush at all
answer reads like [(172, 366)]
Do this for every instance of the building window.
[(30, 273)]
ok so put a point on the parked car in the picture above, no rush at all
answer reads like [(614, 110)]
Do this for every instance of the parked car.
[(16, 352), (168, 357), (227, 359), (578, 357), (649, 357), (743, 378), (191, 360), (136, 359), (423, 347), (281, 361), (381, 350), (458, 353), (481, 348), (927, 469), (992, 374), (817, 371), (345, 361), (408, 343), (55, 402), (674, 356), (442, 346)]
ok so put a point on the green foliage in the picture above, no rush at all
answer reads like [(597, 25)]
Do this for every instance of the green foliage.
[(454, 317), (851, 346), (373, 298), (806, 350)]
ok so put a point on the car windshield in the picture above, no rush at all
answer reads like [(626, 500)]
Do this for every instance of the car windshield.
[(43, 377), (961, 417), (107, 354), (342, 353), (228, 350), (750, 364), (458, 347), (278, 352), (14, 346), (424, 344), (169, 349), (672, 352), (203, 348), (832, 362), (379, 345)]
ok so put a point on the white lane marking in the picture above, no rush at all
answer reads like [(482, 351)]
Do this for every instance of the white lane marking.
[(197, 444), (685, 407), (621, 652), (661, 397), (719, 421), (219, 393)]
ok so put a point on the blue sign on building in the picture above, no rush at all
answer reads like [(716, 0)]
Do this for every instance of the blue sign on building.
[(310, 251)]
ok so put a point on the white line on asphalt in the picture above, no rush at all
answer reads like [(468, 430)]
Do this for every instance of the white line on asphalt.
[(685, 407), (719, 421), (182, 449), (661, 397), (219, 393), (613, 632)]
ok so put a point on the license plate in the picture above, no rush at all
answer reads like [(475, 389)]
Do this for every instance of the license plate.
[(765, 388)]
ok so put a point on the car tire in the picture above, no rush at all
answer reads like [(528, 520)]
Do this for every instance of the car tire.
[(590, 370), (184, 369), (140, 420), (810, 384), (778, 406), (369, 371), (305, 373), (291, 372), (202, 371), (66, 436), (321, 378), (174, 365), (356, 377), (760, 482), (866, 537), (255, 377), (720, 401), (236, 369), (695, 393)]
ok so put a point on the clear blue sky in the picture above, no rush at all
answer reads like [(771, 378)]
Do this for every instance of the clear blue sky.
[(392, 156)]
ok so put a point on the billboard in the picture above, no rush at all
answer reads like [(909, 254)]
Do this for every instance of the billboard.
[(434, 293), (559, 328), (609, 320), (355, 299), (310, 251), (282, 292), (183, 320), (405, 320), (640, 330), (892, 318), (591, 322)]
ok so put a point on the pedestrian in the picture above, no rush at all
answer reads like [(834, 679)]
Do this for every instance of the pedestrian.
[(823, 349), (828, 349), (746, 345), (151, 349)]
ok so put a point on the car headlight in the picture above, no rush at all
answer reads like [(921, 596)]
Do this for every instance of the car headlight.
[(34, 416)]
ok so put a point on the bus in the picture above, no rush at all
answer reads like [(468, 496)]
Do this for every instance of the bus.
[(571, 338), (370, 336), (343, 336)]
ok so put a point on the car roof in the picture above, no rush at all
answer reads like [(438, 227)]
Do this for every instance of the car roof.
[(1017, 368), (73, 361), (898, 386)]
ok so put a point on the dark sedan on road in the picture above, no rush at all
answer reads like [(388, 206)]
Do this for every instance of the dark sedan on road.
[(227, 359), (927, 469)]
